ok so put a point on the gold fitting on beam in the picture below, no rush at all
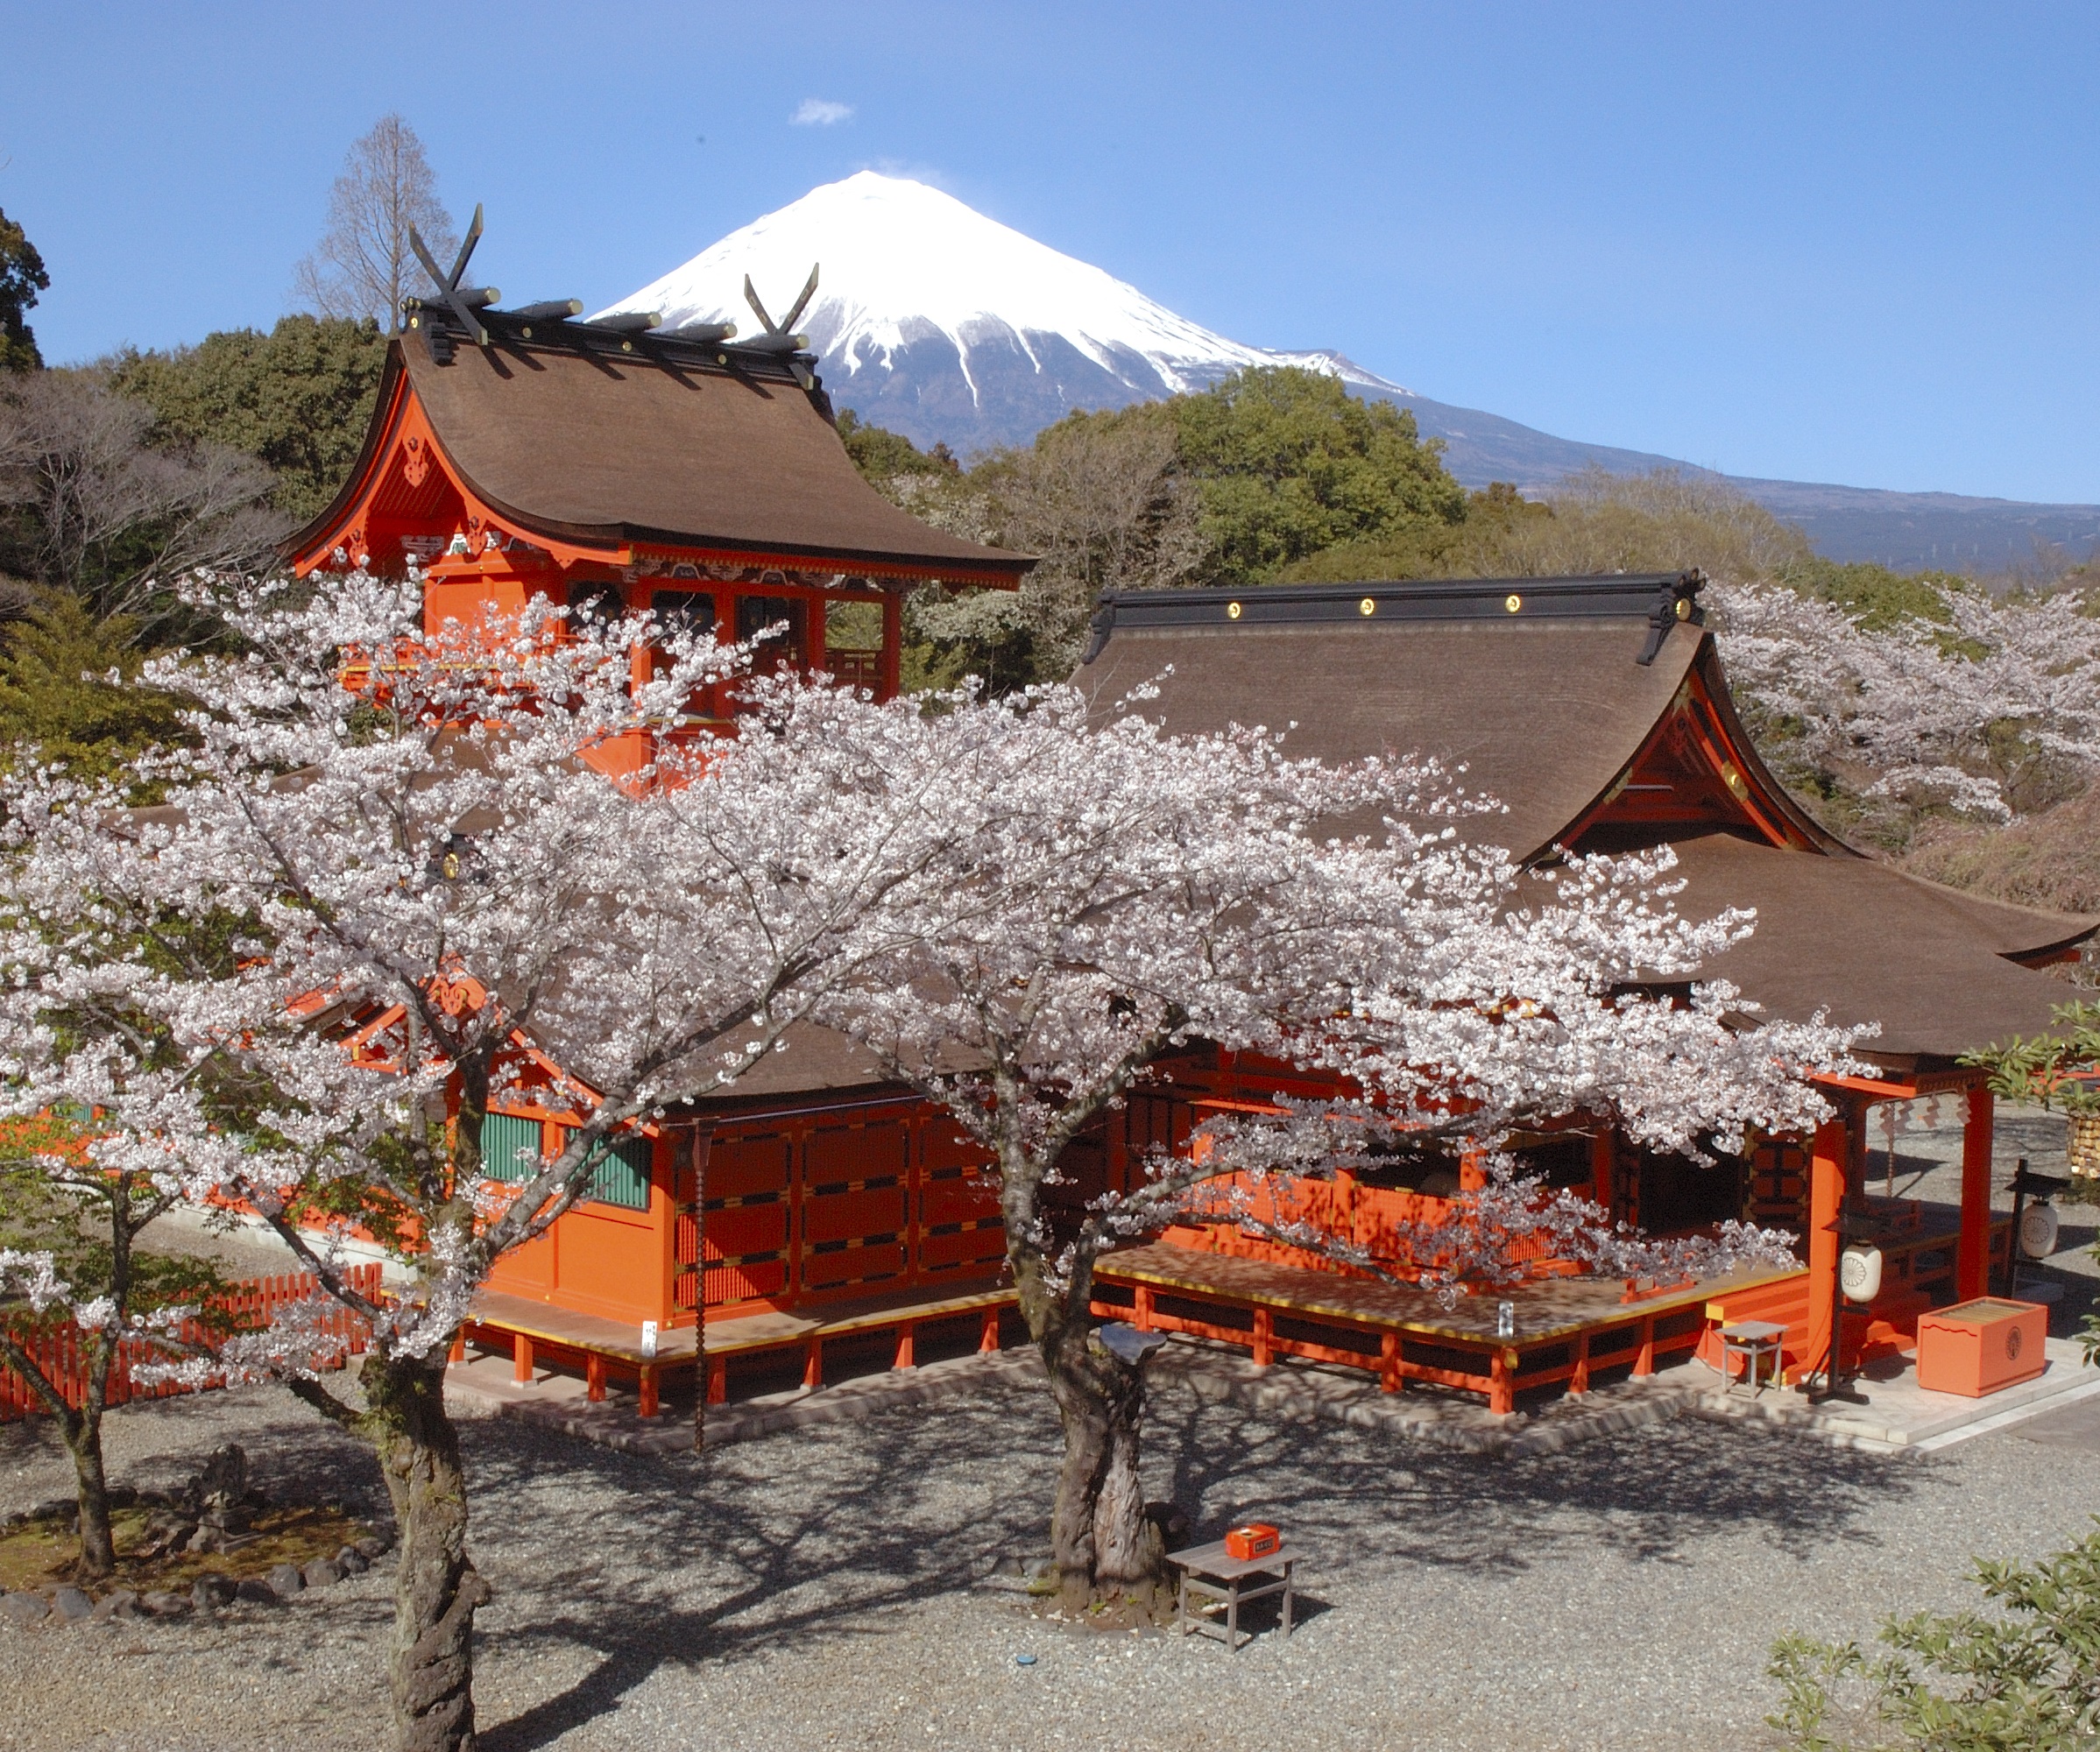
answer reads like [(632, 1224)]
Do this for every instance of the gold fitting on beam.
[(1366, 606), (1512, 601), (1232, 610)]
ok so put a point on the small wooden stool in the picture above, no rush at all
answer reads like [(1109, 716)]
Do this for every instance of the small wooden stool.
[(1752, 1340), (1200, 1561)]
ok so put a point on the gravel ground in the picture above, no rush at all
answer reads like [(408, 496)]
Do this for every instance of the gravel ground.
[(814, 1589)]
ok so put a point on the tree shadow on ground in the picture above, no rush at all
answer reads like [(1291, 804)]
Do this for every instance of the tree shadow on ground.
[(779, 1544), (761, 1546), (628, 1563), (1653, 1492)]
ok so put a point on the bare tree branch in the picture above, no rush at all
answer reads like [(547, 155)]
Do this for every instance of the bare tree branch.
[(362, 265)]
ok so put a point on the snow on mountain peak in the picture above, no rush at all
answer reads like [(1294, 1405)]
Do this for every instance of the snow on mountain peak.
[(904, 263)]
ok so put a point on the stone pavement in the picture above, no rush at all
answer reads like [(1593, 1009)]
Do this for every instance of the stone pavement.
[(1897, 1416)]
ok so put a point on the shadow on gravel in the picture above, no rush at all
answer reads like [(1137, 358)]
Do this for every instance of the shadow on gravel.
[(608, 1567), (770, 1546), (294, 1455), (764, 1546), (1649, 1494)]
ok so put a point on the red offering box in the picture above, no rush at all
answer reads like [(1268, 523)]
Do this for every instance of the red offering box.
[(1256, 1539), (1978, 1347)]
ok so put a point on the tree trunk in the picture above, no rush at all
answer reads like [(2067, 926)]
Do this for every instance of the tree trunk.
[(84, 1437), (1106, 1549), (704, 1138), (436, 1588)]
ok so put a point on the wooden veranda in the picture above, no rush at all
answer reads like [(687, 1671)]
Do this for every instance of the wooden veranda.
[(1564, 1329)]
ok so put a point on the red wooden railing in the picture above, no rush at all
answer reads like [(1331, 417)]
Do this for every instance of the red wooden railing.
[(61, 1352), (1373, 1218)]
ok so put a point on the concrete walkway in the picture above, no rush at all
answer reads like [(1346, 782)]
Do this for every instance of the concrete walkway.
[(1899, 1415)]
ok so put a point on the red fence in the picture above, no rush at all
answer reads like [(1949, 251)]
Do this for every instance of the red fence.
[(1378, 1219), (253, 1303)]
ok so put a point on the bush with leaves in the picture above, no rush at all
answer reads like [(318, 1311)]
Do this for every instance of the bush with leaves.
[(2023, 1678), (296, 399), (70, 694)]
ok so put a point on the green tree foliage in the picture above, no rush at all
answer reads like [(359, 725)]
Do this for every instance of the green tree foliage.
[(1497, 519), (2025, 1678), (297, 398), (1874, 596), (882, 454), (1229, 486), (1289, 463), (69, 692), (22, 277)]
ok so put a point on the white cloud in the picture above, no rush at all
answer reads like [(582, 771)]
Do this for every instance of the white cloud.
[(821, 112)]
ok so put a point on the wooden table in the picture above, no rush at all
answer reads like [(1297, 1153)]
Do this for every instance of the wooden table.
[(1752, 1340), (1210, 1574)]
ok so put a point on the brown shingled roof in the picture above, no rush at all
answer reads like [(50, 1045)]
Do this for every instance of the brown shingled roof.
[(1547, 703), (1541, 714), (663, 447)]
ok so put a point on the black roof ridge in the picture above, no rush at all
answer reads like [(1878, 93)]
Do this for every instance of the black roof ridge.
[(656, 346), (1661, 599)]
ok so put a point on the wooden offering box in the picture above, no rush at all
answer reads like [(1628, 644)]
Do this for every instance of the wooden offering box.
[(1977, 1348)]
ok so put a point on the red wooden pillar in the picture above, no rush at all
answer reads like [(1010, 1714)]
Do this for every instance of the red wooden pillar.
[(521, 1359), (1141, 1312), (988, 1338), (1830, 1162), (1118, 1150), (594, 1376), (813, 1363), (1501, 1383), (893, 643), (1389, 1378), (1264, 1331), (1603, 1153), (1644, 1361), (1579, 1381), (456, 1354), (815, 608), (907, 1354), (648, 1394), (1972, 1253), (718, 1379)]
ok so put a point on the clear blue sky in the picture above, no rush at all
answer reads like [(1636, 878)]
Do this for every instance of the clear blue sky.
[(1849, 243)]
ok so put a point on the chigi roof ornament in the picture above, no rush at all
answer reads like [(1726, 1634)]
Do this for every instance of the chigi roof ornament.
[(461, 301), (454, 312), (779, 336)]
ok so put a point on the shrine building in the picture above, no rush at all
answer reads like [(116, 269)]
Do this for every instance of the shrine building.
[(1596, 711), (609, 466)]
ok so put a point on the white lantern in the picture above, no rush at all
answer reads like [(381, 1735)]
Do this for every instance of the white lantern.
[(2038, 1226), (1859, 1273)]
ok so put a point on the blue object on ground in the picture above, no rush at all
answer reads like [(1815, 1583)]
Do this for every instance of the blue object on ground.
[(1024, 1660)]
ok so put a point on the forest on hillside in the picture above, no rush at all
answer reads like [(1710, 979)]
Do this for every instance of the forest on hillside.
[(1950, 723)]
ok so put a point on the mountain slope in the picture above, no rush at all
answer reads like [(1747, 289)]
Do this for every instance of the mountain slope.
[(940, 324), (937, 322)]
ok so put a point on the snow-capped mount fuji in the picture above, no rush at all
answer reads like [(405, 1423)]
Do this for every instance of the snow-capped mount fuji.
[(940, 324), (946, 326)]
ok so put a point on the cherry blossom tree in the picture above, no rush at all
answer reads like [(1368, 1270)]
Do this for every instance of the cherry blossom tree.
[(77, 1198), (386, 866), (1960, 713), (1138, 893)]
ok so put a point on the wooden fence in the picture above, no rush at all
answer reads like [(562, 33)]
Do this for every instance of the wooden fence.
[(61, 1353)]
